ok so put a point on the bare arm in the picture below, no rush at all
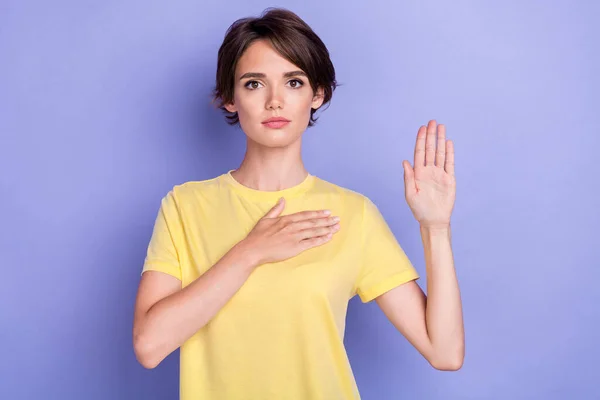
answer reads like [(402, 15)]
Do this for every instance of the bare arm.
[(166, 315), (432, 324)]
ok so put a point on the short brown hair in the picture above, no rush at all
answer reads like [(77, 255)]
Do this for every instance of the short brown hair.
[(291, 37)]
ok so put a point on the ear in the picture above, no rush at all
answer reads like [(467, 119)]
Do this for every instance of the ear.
[(318, 98), (230, 107)]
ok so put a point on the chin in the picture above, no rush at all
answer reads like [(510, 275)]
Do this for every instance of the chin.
[(275, 137)]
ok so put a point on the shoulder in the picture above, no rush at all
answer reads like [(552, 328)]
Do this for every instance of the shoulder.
[(186, 191)]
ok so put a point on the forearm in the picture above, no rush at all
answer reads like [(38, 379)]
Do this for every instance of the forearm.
[(444, 309), (176, 318)]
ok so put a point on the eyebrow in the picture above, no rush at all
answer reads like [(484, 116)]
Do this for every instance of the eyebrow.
[(261, 75)]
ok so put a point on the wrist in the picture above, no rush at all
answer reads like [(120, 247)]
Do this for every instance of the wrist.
[(435, 229), (246, 254), (438, 225)]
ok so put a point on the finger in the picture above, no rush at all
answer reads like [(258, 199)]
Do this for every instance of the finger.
[(312, 223), (449, 167), (302, 215), (314, 242), (420, 147), (276, 209), (440, 155), (430, 143), (319, 231)]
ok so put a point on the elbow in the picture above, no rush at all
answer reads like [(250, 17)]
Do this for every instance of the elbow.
[(452, 360), (147, 362), (453, 365), (145, 353), (449, 363)]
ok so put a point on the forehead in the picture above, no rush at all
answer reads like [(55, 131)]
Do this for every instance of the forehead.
[(260, 56)]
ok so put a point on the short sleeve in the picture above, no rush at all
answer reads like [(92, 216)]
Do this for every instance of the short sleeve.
[(384, 264), (162, 250)]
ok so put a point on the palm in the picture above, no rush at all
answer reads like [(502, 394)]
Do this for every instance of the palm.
[(430, 188)]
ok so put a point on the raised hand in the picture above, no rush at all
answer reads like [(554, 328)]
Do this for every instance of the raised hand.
[(430, 186)]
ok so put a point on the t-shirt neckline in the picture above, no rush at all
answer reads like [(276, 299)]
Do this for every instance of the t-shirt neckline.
[(265, 195)]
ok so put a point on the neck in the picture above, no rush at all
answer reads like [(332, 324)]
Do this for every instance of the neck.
[(270, 169)]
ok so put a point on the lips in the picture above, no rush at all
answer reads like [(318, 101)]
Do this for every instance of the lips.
[(276, 122)]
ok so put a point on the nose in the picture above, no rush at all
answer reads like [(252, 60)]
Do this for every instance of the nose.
[(275, 100)]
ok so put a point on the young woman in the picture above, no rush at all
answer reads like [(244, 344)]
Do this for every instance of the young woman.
[(254, 291)]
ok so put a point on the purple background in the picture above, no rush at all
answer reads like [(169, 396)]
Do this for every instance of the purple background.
[(104, 106)]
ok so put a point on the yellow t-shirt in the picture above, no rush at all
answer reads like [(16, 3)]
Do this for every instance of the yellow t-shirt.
[(281, 335)]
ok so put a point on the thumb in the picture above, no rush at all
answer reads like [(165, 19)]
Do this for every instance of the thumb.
[(276, 210), (409, 183)]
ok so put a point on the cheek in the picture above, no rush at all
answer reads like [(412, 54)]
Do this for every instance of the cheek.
[(247, 103), (301, 102)]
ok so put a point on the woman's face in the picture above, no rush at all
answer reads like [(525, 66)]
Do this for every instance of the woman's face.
[(267, 85)]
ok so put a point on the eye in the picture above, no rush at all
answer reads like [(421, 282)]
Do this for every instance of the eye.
[(296, 83), (251, 85)]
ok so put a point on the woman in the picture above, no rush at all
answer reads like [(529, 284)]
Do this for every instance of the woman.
[(254, 290)]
